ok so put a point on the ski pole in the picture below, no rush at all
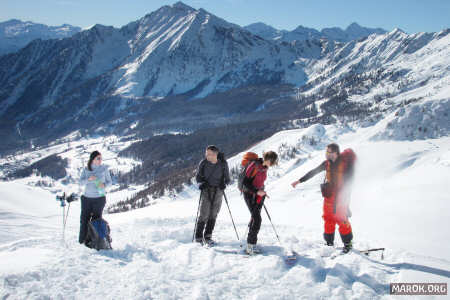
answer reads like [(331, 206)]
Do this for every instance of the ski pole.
[(196, 219), (67, 215), (245, 234), (226, 201), (270, 219), (64, 221), (290, 253)]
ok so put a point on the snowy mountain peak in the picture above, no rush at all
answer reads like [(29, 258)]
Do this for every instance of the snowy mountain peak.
[(397, 30), (443, 33), (353, 32), (397, 33), (194, 54), (260, 27), (354, 26), (16, 34), (182, 6), (265, 31), (180, 38), (308, 31), (11, 22)]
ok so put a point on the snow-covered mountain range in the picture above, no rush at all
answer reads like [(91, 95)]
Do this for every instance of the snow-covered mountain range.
[(16, 34), (115, 80), (353, 32)]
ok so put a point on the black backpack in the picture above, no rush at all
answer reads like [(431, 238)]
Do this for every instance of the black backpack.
[(98, 236)]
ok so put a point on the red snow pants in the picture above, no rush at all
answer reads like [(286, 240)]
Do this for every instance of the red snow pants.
[(334, 213)]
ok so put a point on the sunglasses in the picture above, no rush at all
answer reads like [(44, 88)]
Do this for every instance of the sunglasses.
[(98, 158)]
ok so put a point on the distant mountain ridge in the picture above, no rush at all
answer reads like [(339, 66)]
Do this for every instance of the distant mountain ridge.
[(353, 32), (180, 69), (16, 34)]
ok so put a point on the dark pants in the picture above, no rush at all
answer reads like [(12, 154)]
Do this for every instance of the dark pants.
[(255, 220), (90, 206), (210, 204)]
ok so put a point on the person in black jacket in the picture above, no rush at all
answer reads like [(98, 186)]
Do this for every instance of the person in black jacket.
[(212, 176)]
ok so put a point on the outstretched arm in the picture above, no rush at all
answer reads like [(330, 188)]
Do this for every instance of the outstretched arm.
[(311, 174)]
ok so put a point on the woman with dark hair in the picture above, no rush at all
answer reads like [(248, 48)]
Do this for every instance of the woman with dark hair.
[(254, 194), (95, 177)]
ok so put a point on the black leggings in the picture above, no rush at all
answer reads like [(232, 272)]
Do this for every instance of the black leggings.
[(255, 220), (90, 206)]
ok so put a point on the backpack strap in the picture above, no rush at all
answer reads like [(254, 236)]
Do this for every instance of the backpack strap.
[(255, 165)]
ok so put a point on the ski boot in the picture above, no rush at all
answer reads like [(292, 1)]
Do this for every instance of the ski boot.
[(210, 242), (347, 247)]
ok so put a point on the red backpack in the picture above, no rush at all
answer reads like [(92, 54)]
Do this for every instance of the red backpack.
[(348, 157)]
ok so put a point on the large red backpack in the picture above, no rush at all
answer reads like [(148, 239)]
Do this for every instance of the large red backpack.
[(348, 157)]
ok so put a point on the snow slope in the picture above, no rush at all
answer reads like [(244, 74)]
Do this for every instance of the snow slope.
[(399, 202)]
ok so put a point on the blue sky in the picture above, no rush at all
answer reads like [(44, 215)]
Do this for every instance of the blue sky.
[(410, 15)]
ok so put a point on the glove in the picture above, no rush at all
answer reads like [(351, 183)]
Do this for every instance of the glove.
[(222, 186), (202, 186)]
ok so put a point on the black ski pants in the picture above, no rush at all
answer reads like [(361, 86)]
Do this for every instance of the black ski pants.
[(255, 220), (89, 206)]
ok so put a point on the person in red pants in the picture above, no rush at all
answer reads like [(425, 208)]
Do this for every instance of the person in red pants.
[(339, 169)]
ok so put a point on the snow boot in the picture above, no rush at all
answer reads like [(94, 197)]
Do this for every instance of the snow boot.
[(347, 240), (250, 249), (210, 242), (329, 239), (347, 247), (199, 232), (209, 228)]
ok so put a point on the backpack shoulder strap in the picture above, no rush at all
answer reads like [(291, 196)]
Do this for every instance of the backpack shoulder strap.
[(253, 167)]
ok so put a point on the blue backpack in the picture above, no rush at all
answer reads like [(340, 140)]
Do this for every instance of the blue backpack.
[(98, 235)]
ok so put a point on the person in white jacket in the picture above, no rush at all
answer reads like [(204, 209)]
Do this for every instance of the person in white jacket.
[(95, 177)]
